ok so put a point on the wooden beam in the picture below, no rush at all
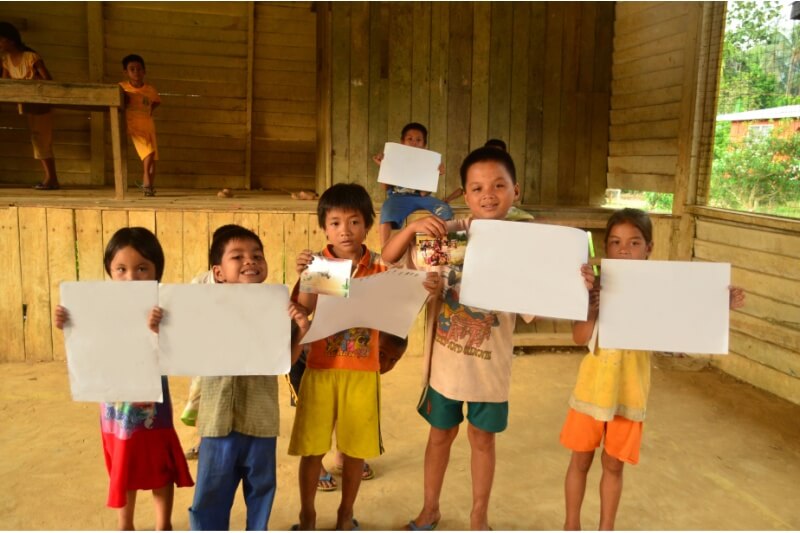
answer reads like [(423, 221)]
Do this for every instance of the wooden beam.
[(248, 154), (94, 16), (324, 62), (82, 95)]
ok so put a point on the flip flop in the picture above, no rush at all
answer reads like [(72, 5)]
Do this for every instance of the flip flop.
[(367, 472), (47, 187), (327, 478), (412, 526), (356, 526)]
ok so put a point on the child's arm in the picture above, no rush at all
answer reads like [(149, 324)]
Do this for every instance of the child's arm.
[(736, 297), (153, 107), (41, 71), (299, 315), (154, 318), (61, 316), (6, 74), (307, 300), (582, 330), (398, 243), (433, 284)]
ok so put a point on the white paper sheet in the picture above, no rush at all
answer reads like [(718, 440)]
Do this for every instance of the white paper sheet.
[(389, 301), (526, 268), (225, 330), (406, 166), (111, 353), (670, 306)]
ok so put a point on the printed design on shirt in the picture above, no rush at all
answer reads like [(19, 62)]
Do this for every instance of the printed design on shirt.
[(353, 342), (123, 419), (464, 330)]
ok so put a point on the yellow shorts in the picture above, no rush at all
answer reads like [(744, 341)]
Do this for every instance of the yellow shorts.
[(41, 127), (621, 437), (346, 399)]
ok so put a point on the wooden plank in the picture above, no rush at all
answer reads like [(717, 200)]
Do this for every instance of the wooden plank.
[(645, 114), (530, 185), (359, 95), (316, 235), (598, 166), (757, 261), (659, 129), (437, 131), (748, 219), (649, 65), (778, 383), (543, 339), (35, 283), (324, 149), (400, 53), (195, 237), (112, 220), (659, 46), (653, 164), (340, 102), (517, 136), (652, 97), (481, 60), (62, 265), (199, 22), (248, 151), (772, 311), (119, 155), (766, 353), (551, 103), (655, 15), (747, 237), (247, 220), (270, 229), (579, 190), (768, 331), (777, 288), (295, 241), (216, 220), (665, 28), (142, 219), (420, 62), (458, 91), (641, 182), (12, 341), (96, 95), (643, 147), (654, 80), (89, 237), (169, 230), (94, 16), (500, 66)]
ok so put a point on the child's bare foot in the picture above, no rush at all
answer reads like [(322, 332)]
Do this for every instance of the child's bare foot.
[(304, 195)]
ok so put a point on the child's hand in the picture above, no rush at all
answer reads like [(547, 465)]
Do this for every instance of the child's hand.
[(305, 258), (433, 283), (154, 318), (736, 296), (299, 314), (61, 316), (441, 169), (588, 276), (432, 225), (378, 158)]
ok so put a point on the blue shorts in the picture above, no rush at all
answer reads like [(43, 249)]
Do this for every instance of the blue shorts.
[(397, 207)]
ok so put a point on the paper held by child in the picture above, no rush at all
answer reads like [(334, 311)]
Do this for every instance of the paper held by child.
[(409, 167), (327, 276), (433, 253), (253, 317), (389, 301), (111, 353), (670, 306), (531, 269)]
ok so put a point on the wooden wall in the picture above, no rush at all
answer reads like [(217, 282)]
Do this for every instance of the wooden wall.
[(533, 74)]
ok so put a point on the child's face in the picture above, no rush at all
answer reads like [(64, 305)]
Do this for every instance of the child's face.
[(489, 190), (390, 354), (135, 73), (414, 138), (129, 265), (625, 241), (242, 262), (346, 231)]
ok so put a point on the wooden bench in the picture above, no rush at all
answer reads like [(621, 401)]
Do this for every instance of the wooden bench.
[(85, 96)]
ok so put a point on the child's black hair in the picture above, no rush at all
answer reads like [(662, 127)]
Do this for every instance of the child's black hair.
[(132, 58), (415, 126), (487, 153), (496, 143), (10, 32), (400, 343), (140, 239), (349, 197), (226, 234), (636, 217)]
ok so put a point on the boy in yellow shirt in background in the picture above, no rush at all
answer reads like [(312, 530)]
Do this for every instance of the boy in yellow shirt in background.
[(141, 100)]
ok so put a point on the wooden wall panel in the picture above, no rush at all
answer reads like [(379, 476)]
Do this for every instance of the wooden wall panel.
[(12, 342)]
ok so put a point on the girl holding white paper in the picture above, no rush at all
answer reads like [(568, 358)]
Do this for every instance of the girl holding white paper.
[(141, 448), (609, 401)]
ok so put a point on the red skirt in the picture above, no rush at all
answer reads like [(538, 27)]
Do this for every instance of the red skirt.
[(148, 460)]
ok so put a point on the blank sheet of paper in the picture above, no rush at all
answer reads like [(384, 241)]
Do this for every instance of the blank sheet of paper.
[(225, 330), (111, 353), (532, 269), (406, 166), (389, 301), (669, 306)]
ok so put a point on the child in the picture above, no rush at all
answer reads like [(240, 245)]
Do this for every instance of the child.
[(238, 418), (610, 397), (452, 377), (341, 384), (141, 447), (141, 100), (400, 201), (23, 63)]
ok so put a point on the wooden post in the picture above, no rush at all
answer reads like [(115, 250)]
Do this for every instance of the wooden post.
[(94, 16), (248, 157), (323, 167), (119, 148)]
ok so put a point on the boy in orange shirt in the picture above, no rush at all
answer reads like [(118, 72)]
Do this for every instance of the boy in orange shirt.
[(141, 100)]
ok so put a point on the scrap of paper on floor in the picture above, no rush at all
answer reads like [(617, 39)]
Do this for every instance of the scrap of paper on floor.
[(406, 166), (111, 352), (389, 301), (669, 306), (224, 330), (526, 268)]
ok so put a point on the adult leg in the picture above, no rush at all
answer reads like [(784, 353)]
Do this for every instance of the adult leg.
[(217, 479), (162, 499), (575, 488), (610, 490), (437, 455), (308, 476), (352, 468), (482, 446), (258, 481), (125, 514)]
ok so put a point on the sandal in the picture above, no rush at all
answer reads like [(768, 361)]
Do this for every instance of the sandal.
[(367, 472), (47, 186), (326, 478), (149, 191), (192, 453)]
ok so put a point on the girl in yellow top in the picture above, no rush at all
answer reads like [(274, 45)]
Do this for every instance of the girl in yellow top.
[(141, 100), (23, 63), (609, 401)]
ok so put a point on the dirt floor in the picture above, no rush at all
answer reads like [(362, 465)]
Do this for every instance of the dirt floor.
[(717, 454)]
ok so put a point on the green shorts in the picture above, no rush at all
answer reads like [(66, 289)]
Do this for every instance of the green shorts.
[(443, 413)]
